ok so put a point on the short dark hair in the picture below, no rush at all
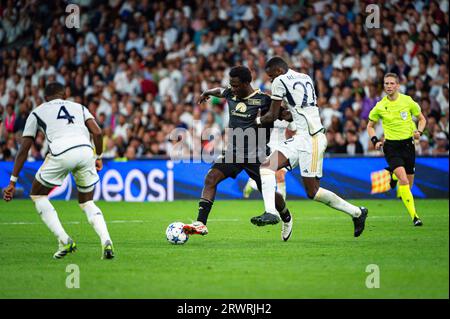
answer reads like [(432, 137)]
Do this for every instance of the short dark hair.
[(241, 72), (277, 62), (391, 75), (53, 89)]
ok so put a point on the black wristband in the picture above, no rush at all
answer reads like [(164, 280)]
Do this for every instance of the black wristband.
[(374, 140), (420, 132)]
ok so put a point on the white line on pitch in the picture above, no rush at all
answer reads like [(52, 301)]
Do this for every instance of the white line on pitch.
[(27, 223), (125, 221), (368, 217)]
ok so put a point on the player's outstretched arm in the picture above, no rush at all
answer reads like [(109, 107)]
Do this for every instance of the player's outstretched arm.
[(217, 92), (21, 157), (271, 115)]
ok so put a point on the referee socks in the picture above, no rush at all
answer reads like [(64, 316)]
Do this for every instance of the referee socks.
[(408, 199)]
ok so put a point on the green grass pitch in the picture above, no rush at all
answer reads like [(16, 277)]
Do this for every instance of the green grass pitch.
[(235, 260)]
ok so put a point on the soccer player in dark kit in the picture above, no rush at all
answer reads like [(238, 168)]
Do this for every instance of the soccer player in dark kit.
[(242, 152)]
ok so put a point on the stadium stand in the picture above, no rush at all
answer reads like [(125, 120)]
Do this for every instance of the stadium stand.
[(139, 66)]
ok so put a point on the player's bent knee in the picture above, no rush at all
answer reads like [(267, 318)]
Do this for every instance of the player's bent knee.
[(403, 180), (266, 171), (280, 175), (85, 197), (87, 205), (311, 194), (270, 165), (265, 164), (211, 179), (86, 189), (36, 198), (90, 209), (42, 204)]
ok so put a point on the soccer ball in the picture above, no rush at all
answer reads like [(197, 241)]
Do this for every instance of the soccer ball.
[(175, 234)]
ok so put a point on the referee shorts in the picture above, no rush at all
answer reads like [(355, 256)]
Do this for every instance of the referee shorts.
[(400, 153)]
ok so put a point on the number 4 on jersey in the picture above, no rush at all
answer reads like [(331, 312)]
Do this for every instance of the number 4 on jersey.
[(63, 114)]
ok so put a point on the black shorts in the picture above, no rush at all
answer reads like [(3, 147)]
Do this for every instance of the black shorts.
[(400, 153), (233, 169)]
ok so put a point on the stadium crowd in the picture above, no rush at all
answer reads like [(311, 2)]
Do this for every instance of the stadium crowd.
[(139, 66)]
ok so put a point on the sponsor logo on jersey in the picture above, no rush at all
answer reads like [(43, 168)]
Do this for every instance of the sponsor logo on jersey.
[(240, 110), (254, 101), (241, 107)]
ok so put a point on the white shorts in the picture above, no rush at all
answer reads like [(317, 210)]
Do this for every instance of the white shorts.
[(79, 161), (306, 151)]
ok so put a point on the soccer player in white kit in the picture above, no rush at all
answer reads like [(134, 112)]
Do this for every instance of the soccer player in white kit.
[(281, 131), (305, 149), (67, 127)]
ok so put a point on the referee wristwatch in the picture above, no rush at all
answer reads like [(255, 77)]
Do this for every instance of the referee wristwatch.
[(374, 140)]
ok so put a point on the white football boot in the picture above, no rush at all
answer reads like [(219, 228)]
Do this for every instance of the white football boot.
[(286, 229)]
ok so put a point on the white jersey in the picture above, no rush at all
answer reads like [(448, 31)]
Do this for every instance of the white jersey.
[(297, 90), (62, 122), (278, 134)]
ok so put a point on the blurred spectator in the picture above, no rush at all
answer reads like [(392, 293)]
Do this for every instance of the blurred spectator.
[(442, 99), (7, 155), (10, 118), (19, 123), (121, 129), (441, 141), (424, 146), (130, 153), (369, 101), (352, 146), (11, 146)]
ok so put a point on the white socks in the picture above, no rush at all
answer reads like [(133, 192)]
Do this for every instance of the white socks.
[(333, 200), (95, 218), (50, 217), (281, 188), (268, 183), (251, 182)]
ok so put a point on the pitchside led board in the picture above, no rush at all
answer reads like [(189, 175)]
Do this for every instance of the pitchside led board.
[(164, 180)]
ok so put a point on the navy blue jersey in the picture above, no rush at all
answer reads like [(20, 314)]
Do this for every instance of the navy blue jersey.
[(245, 140)]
